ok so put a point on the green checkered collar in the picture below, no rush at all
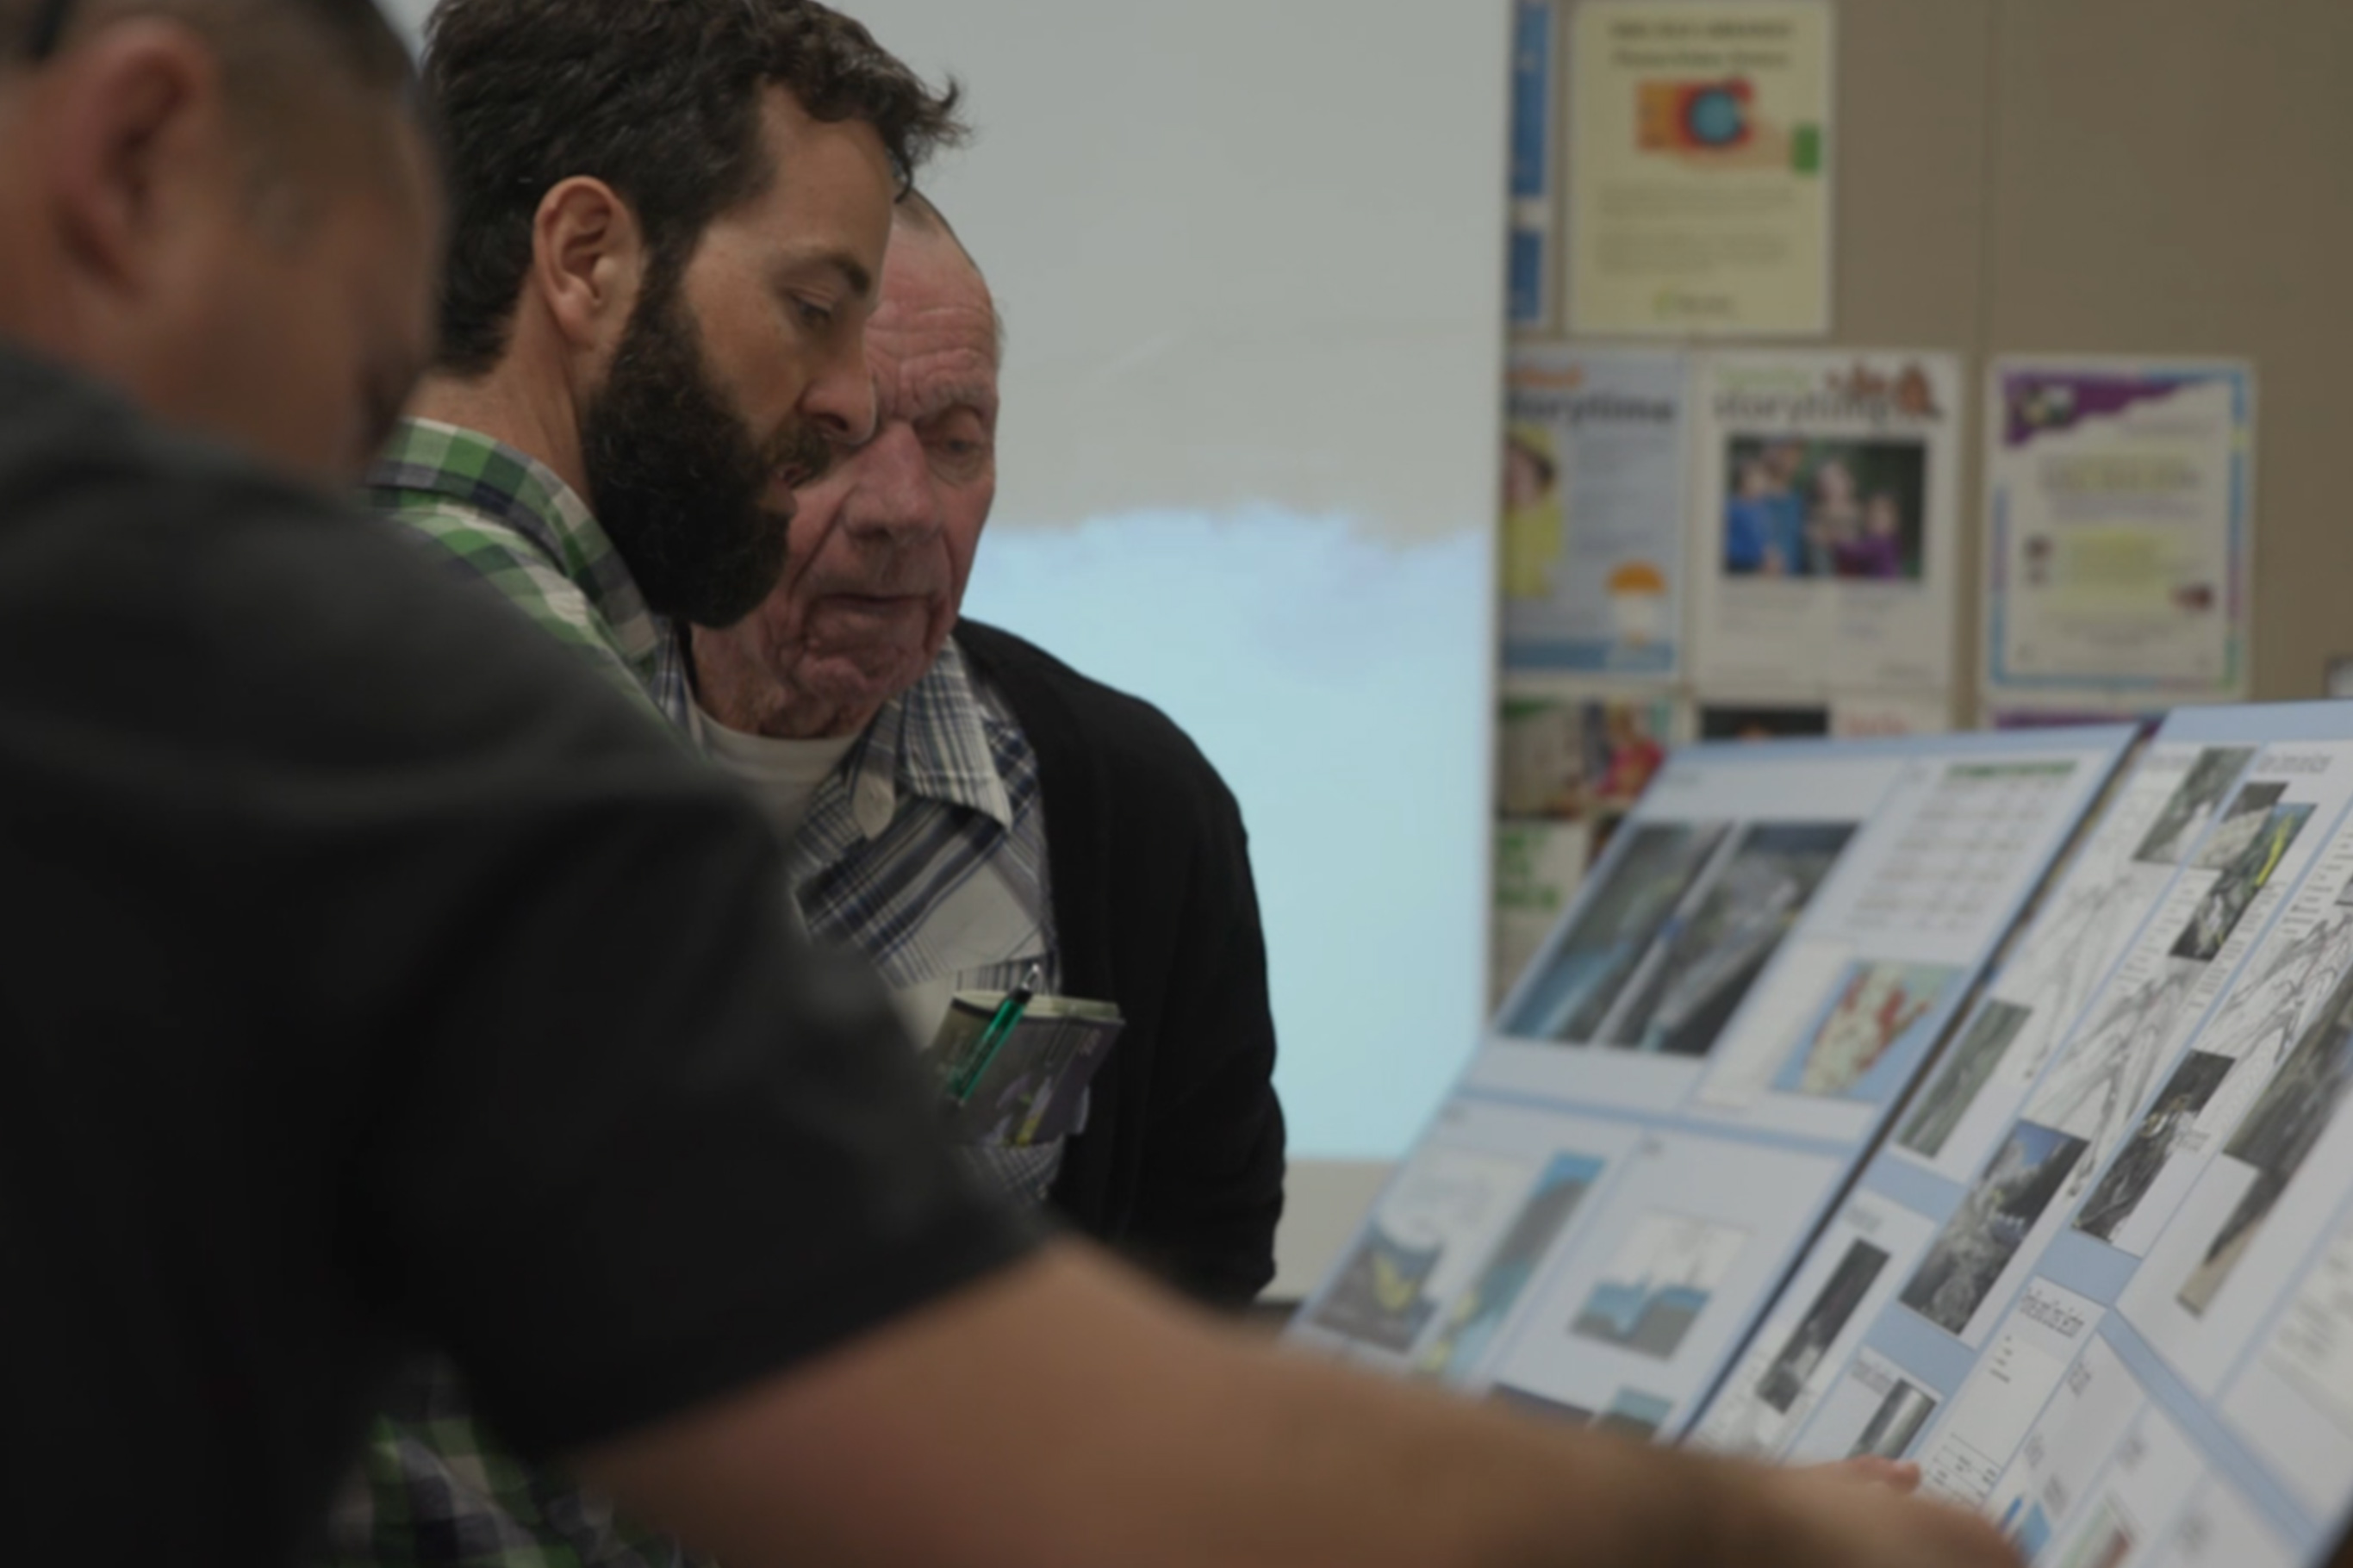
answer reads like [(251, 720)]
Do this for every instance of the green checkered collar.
[(426, 457)]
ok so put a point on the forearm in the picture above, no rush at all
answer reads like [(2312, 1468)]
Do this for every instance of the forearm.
[(1068, 1417), (1316, 1465)]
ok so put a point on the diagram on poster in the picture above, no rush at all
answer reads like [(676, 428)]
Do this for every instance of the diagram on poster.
[(1458, 1233), (2167, 1124), (2293, 1403), (2276, 1140), (2133, 1327), (1971, 1062), (1987, 1418), (1481, 1311), (2096, 1088), (1614, 928), (1993, 1222), (1419, 1244), (1824, 542), (1666, 1275), (2253, 849), (1739, 996), (1690, 985), (1792, 1363), (1878, 1004), (2127, 864), (2288, 980), (2091, 1090), (1875, 1409), (1659, 1283)]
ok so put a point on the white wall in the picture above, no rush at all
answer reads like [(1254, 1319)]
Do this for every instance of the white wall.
[(1250, 248), (407, 14), (1250, 254)]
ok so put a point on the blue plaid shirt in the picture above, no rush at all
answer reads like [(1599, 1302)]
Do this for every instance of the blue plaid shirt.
[(926, 851)]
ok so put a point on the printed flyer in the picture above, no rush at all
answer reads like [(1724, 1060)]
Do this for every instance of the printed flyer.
[(1570, 763), (2118, 529), (1592, 548), (1699, 186), (1824, 529)]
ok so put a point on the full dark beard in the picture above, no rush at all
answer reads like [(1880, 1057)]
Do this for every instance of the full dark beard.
[(676, 478)]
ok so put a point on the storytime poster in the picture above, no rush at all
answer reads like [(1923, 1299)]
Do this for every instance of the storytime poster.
[(1824, 530), (1593, 538)]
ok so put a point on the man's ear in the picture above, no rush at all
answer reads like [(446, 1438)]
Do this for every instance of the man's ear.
[(141, 132), (587, 262)]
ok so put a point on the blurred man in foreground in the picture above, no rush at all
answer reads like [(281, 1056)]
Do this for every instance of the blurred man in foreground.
[(326, 1038)]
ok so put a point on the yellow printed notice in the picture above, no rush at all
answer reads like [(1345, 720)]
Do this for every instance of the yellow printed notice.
[(1699, 168), (2119, 528)]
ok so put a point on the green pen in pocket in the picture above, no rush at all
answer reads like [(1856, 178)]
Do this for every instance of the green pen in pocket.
[(992, 1038)]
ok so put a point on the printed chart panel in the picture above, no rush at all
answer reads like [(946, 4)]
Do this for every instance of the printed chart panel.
[(1710, 1039), (2129, 1340)]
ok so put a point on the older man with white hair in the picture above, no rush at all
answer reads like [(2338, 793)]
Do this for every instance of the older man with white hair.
[(966, 811)]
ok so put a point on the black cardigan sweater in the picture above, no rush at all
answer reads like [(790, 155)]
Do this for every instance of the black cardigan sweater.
[(1181, 1166)]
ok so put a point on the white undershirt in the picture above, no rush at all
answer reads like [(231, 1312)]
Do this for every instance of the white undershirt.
[(784, 774)]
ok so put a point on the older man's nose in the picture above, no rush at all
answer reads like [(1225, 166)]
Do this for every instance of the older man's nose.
[(894, 493)]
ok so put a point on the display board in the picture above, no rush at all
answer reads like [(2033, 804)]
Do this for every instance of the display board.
[(1704, 1050), (2099, 1281)]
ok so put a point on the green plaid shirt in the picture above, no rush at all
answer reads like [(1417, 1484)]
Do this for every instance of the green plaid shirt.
[(436, 1485), (506, 518), (936, 814)]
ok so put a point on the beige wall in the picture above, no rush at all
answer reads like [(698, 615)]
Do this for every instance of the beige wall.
[(2126, 176), (2122, 176)]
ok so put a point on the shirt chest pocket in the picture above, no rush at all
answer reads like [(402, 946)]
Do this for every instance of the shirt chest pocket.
[(923, 1003)]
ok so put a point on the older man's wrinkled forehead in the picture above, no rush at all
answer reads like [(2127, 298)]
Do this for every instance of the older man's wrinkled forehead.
[(934, 342)]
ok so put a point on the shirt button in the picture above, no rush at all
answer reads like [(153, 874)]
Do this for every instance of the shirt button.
[(873, 806)]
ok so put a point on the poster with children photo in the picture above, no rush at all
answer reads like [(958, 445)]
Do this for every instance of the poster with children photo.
[(1824, 509), (1823, 520)]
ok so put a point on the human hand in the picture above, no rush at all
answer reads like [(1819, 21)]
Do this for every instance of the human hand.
[(1857, 1515)]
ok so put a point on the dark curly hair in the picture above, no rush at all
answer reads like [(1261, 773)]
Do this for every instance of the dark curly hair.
[(658, 99)]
